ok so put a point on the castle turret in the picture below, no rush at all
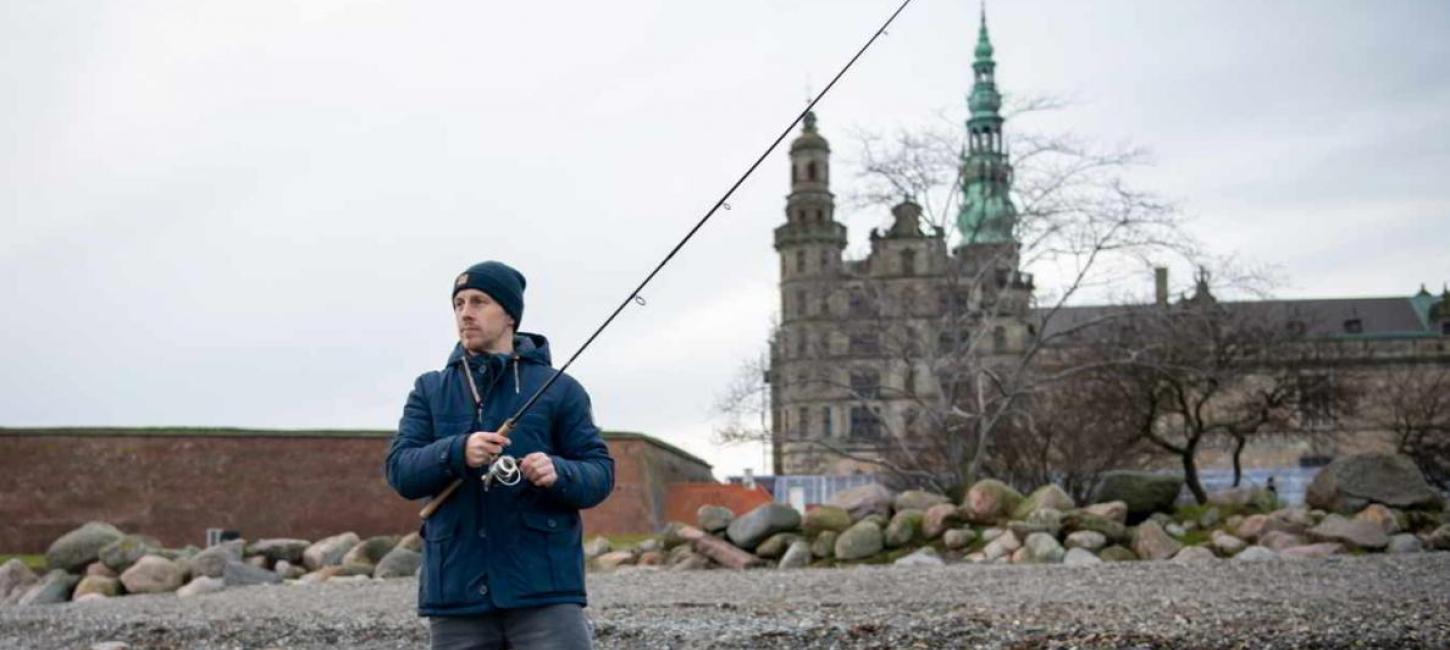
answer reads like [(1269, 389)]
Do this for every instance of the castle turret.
[(987, 215), (811, 240)]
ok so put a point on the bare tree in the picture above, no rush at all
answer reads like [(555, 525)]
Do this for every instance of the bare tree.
[(744, 406), (1413, 402)]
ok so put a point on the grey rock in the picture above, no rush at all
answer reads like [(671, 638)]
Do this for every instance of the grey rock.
[(1003, 546), (750, 529), (597, 546), (1084, 520), (824, 545), (15, 579), (412, 541), (864, 500), (1113, 510), (1321, 550), (278, 549), (119, 555), (1353, 532), (1150, 542), (1176, 530), (1350, 483), (110, 645), (1439, 539), (1090, 540), (1227, 544), (798, 556), (1256, 554), (776, 545), (1117, 553), (1405, 543), (54, 587), (200, 586), (1047, 496), (990, 501), (713, 519), (905, 528), (329, 551), (863, 539), (1143, 492), (370, 550), (241, 574), (289, 571), (918, 500), (212, 562), (74, 550), (958, 538), (822, 518), (1194, 554), (924, 556), (153, 574), (108, 587), (1279, 540), (940, 518), (1043, 548), (1080, 557)]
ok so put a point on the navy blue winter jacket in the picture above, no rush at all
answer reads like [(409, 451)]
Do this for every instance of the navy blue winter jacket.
[(507, 547)]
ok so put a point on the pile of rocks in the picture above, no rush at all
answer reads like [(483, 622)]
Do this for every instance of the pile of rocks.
[(1132, 517), (98, 561)]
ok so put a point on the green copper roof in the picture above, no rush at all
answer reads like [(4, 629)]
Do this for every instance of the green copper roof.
[(987, 214)]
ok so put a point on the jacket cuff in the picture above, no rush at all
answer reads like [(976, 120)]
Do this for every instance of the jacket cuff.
[(455, 461)]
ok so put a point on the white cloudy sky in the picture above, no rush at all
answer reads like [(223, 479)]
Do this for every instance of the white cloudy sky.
[(249, 214)]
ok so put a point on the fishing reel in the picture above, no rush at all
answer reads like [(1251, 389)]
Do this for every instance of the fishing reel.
[(504, 470)]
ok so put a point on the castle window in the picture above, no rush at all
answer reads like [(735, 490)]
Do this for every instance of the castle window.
[(800, 345), (946, 343), (820, 217), (826, 422), (800, 261), (864, 425), (825, 260), (1445, 328), (805, 423), (800, 302), (908, 262), (1354, 326), (866, 384), (858, 305), (811, 171), (866, 344)]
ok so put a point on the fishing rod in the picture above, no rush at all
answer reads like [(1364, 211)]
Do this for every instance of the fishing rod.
[(501, 466)]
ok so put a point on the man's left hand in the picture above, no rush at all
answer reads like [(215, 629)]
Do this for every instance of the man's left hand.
[(538, 467)]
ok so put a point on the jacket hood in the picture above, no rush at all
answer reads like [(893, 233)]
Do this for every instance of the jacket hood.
[(530, 348)]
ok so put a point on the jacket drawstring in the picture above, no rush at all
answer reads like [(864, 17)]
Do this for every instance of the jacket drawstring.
[(516, 373)]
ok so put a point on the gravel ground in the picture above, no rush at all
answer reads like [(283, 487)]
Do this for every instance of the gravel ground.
[(1371, 601)]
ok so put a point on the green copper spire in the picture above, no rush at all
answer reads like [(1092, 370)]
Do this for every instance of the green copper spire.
[(987, 215)]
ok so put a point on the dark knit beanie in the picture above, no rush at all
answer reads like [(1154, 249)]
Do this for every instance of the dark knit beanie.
[(500, 281)]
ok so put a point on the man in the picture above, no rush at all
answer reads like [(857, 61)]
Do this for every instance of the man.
[(503, 565)]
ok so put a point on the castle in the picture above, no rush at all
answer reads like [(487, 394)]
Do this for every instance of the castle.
[(847, 362)]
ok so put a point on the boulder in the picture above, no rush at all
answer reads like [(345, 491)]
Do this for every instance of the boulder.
[(1312, 550), (153, 574), (824, 545), (1043, 548), (872, 498), (692, 562), (241, 574), (1439, 539), (1080, 557), (284, 549), (1047, 496), (1042, 520), (1175, 529), (329, 551), (1082, 520), (1352, 532), (989, 501), (120, 554), (108, 587), (863, 539), (655, 557), (990, 535), (1210, 518), (918, 500), (823, 518), (100, 569), (1194, 554), (1380, 515), (938, 519), (15, 579), (881, 521), (1256, 554), (1227, 544), (650, 544), (613, 560), (1405, 543), (1150, 542), (776, 545), (369, 551), (1089, 540), (412, 541), (958, 538), (1251, 527), (203, 585), (1256, 498), (1279, 540), (1144, 493), (1003, 546), (713, 519), (1350, 483), (352, 569), (924, 556), (212, 562), (72, 551), (398, 563), (289, 571), (596, 546), (677, 554), (1114, 510), (1117, 553), (798, 556), (52, 588), (905, 528), (321, 575), (259, 561), (752, 528)]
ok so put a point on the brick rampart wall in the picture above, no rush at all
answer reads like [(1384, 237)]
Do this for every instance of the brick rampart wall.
[(173, 485)]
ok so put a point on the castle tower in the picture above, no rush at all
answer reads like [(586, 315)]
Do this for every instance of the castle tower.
[(810, 244), (987, 215)]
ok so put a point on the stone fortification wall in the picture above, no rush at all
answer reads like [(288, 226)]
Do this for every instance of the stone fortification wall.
[(173, 484)]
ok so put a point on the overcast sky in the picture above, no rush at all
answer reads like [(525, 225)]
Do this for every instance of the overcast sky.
[(250, 213)]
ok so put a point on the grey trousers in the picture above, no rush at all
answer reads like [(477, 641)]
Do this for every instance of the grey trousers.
[(551, 626)]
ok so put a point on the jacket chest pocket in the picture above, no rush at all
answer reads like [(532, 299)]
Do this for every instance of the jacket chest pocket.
[(447, 426), (556, 563)]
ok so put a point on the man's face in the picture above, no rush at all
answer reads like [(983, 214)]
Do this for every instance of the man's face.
[(482, 323)]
